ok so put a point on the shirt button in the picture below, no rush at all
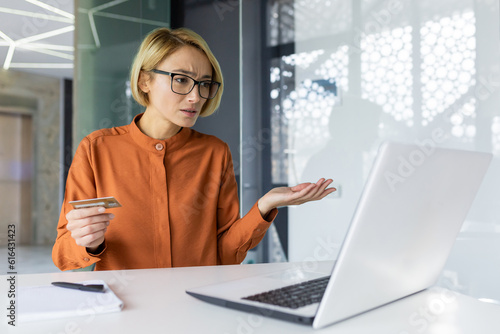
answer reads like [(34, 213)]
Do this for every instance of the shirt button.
[(159, 146), (86, 259)]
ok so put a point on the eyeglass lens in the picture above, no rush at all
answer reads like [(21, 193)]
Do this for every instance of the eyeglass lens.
[(183, 85)]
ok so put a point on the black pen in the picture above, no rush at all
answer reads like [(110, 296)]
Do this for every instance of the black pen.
[(82, 287)]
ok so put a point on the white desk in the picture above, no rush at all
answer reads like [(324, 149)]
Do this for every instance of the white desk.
[(156, 302)]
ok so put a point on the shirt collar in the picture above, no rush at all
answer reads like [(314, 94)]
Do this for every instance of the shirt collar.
[(171, 144)]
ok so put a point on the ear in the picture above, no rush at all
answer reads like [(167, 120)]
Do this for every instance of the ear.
[(143, 82)]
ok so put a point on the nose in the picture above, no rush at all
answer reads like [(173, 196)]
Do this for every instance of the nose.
[(194, 95)]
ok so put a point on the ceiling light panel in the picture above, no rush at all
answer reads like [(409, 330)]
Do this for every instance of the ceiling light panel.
[(53, 9), (37, 36)]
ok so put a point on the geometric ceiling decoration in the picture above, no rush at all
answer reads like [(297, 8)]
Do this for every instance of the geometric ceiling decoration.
[(37, 36)]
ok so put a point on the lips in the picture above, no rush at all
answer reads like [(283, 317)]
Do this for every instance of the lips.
[(189, 112)]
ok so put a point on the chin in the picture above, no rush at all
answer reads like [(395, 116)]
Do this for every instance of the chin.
[(187, 123)]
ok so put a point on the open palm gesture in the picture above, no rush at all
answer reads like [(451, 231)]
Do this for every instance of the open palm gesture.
[(299, 194)]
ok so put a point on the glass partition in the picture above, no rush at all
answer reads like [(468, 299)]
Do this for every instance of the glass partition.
[(108, 34)]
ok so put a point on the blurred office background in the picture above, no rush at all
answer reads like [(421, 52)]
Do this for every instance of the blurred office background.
[(312, 88)]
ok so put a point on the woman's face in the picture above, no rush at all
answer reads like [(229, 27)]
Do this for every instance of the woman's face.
[(179, 110)]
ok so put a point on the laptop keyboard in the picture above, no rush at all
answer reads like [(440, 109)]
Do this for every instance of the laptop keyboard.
[(294, 296)]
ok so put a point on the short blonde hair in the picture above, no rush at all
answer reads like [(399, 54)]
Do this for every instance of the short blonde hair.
[(161, 43)]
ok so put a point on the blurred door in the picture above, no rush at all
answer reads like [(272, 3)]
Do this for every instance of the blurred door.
[(16, 174)]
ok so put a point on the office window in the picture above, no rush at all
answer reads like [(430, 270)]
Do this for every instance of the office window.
[(346, 75)]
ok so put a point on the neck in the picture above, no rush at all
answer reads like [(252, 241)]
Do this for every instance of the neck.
[(157, 128)]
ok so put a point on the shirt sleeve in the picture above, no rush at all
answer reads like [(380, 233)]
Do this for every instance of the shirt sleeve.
[(80, 184), (237, 235)]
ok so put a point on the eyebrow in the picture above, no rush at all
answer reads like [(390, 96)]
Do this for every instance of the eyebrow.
[(206, 76)]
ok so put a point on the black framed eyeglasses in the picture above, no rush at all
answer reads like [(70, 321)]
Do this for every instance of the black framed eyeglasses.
[(183, 84)]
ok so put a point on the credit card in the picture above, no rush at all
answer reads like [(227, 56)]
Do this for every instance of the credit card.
[(107, 202)]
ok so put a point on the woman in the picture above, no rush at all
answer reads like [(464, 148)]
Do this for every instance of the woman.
[(176, 186)]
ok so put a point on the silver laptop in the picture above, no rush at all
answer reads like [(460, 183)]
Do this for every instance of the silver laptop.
[(405, 224)]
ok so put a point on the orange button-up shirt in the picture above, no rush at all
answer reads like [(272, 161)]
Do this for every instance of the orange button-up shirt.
[(179, 202)]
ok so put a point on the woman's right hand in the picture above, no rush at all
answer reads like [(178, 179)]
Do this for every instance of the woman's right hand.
[(87, 226)]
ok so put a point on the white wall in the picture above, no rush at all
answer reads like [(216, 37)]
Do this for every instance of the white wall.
[(405, 70)]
